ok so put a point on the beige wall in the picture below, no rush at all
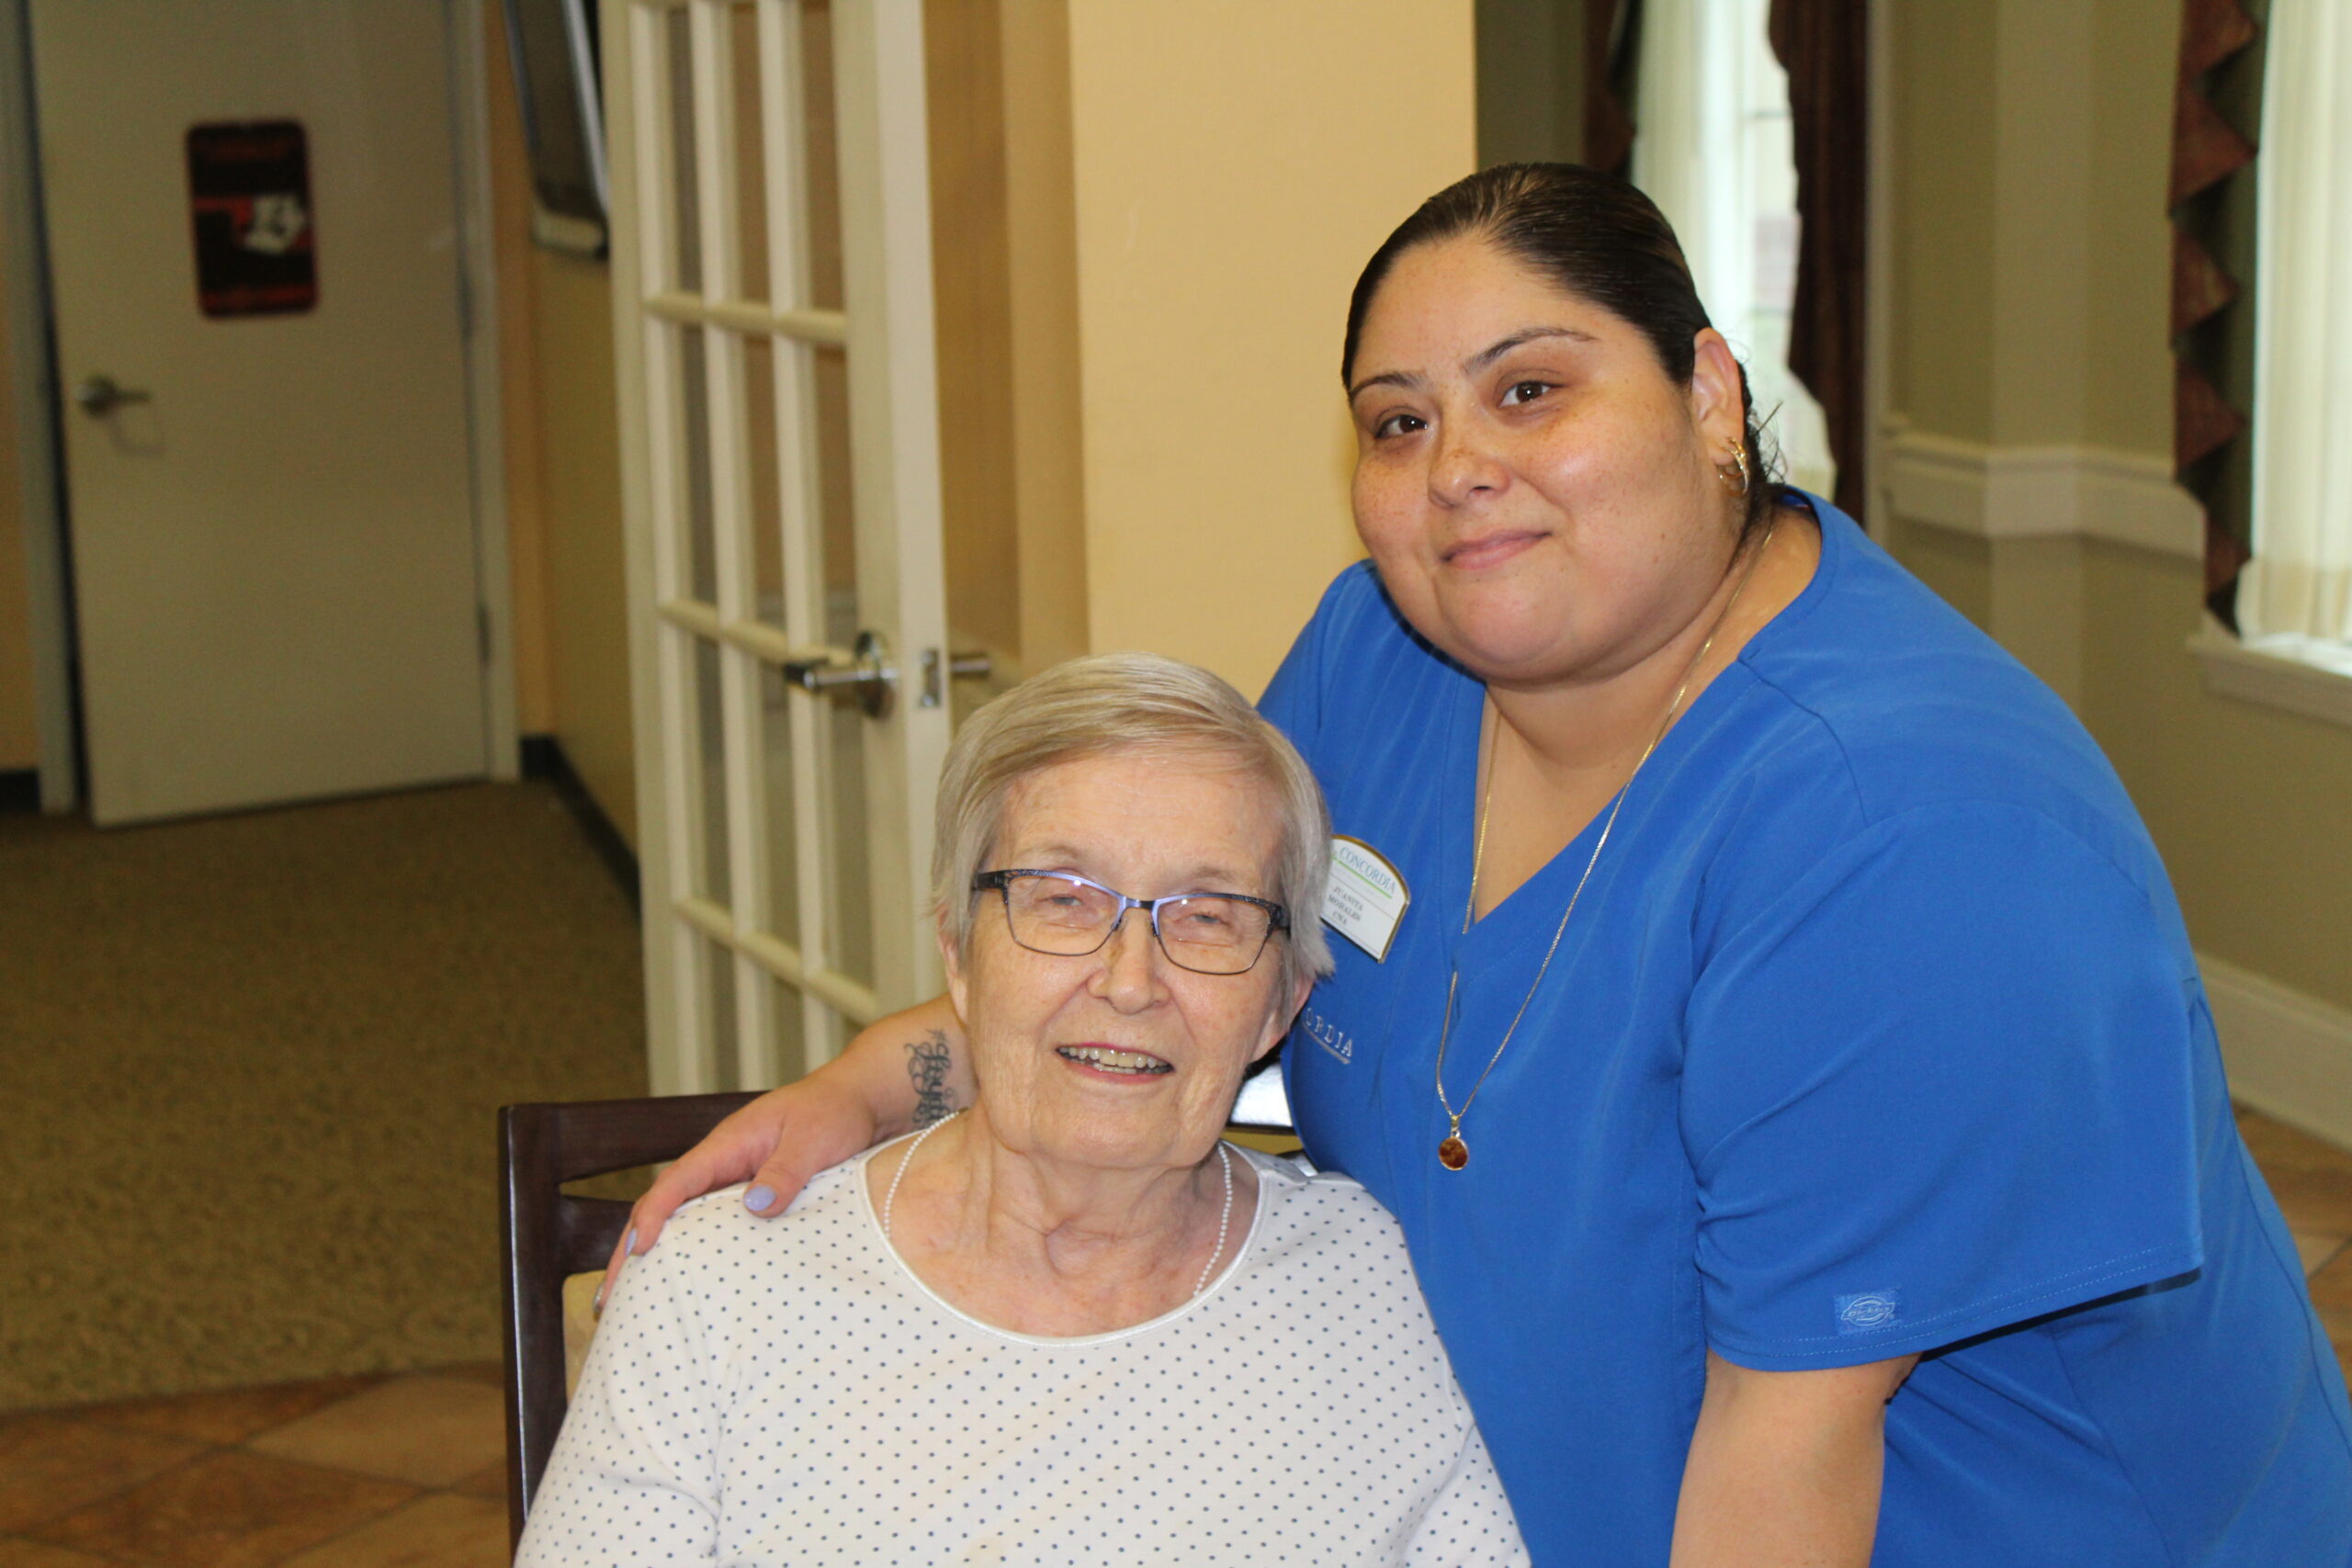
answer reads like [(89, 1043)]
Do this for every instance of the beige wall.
[(2252, 807), (1942, 66), (520, 414), (2130, 383), (587, 584), (561, 449), (1235, 163), (2032, 270)]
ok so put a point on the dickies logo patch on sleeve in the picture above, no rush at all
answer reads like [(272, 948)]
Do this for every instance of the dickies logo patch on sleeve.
[(1866, 1312)]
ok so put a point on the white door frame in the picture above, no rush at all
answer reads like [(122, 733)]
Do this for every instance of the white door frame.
[(24, 287), (469, 89)]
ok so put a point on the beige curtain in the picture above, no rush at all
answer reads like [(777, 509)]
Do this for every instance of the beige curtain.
[(2299, 581)]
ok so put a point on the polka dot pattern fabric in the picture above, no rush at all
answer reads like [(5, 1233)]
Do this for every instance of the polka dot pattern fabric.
[(771, 1391)]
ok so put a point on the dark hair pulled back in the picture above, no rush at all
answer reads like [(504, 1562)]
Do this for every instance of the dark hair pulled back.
[(1599, 239)]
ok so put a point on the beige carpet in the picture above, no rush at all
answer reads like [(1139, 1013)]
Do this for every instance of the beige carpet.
[(249, 1069)]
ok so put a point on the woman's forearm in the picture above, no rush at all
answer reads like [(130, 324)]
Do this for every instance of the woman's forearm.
[(911, 1069), (907, 1068), (1785, 1467)]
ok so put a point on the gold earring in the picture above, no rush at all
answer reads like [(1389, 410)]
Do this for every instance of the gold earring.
[(1747, 480)]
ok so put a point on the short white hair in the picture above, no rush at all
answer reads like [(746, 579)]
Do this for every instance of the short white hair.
[(1120, 702)]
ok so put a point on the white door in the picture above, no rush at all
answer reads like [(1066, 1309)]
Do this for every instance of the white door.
[(772, 282), (272, 532)]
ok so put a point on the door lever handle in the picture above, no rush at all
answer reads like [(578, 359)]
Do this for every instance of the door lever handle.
[(869, 675), (101, 395)]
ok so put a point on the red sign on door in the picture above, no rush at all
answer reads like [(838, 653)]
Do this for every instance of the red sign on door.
[(249, 195)]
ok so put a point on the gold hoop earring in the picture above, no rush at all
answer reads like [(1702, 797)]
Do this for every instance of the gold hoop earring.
[(1747, 480)]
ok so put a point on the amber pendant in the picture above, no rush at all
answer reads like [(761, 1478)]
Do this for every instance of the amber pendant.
[(1453, 1154)]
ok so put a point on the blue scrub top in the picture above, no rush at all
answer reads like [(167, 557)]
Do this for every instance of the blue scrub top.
[(1876, 1031)]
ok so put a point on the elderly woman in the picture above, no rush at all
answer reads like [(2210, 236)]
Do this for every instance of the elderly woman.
[(1068, 1324)]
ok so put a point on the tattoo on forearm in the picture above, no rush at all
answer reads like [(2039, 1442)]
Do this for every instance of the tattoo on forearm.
[(928, 1060)]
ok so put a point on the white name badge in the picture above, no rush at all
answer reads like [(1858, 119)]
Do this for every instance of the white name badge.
[(1366, 899)]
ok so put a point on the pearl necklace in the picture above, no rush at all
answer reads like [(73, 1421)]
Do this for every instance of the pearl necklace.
[(1224, 1216)]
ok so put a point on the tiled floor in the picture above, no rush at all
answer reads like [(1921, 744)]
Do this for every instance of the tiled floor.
[(409, 1472), (357, 1472)]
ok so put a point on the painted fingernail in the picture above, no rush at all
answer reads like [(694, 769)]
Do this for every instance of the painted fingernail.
[(758, 1198), (629, 1243), (599, 1307)]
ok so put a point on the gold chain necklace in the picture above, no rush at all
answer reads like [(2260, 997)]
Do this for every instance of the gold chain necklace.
[(1452, 1153)]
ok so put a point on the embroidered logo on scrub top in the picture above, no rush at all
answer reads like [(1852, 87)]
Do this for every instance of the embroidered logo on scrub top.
[(1329, 1035), (1868, 1311)]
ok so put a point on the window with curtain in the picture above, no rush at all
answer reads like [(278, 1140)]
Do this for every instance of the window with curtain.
[(1714, 151), (2295, 595)]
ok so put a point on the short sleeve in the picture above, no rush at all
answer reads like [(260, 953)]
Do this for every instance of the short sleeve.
[(1939, 1085), (634, 1476)]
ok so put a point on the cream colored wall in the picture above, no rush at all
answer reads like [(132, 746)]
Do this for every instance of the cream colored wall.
[(2251, 807), (1941, 228), (561, 449), (2129, 384), (587, 589), (2029, 309), (1041, 302), (521, 415), (1234, 165)]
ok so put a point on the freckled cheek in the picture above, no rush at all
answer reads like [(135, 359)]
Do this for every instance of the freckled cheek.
[(1381, 505)]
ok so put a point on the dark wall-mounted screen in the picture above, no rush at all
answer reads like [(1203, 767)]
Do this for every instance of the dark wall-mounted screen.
[(553, 43)]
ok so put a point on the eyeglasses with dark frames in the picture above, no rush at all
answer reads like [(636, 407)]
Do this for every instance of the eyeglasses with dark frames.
[(1067, 915)]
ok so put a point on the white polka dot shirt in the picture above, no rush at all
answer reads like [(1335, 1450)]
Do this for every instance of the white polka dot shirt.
[(771, 1391)]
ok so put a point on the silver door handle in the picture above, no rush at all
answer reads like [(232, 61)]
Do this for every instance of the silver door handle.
[(867, 672), (100, 396)]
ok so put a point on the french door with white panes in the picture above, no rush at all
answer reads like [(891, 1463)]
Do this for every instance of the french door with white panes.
[(772, 283)]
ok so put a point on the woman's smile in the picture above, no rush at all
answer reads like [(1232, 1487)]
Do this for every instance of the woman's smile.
[(1113, 1062), (1493, 548)]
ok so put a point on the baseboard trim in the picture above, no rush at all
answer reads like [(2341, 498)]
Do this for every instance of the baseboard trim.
[(19, 789), (2290, 1055), (2025, 492), (543, 757)]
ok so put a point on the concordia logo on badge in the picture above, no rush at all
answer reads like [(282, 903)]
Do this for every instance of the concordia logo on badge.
[(1327, 1034), (1868, 1309)]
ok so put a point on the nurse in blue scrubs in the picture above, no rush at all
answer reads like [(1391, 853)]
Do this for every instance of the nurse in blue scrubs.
[(1782, 1051)]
